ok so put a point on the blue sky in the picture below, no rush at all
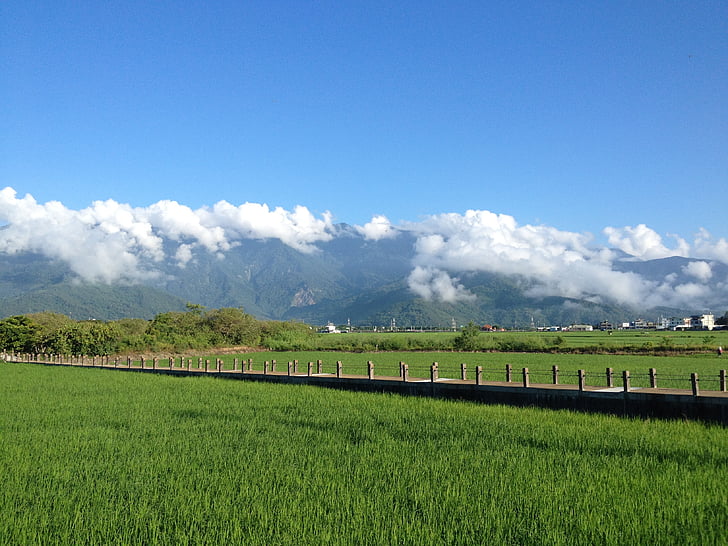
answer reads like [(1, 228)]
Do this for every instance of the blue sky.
[(574, 115)]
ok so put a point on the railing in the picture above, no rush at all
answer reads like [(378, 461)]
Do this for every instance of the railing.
[(524, 377)]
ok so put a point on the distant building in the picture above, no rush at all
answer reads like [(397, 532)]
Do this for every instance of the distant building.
[(694, 322), (702, 322), (330, 329), (675, 323), (640, 324), (581, 328)]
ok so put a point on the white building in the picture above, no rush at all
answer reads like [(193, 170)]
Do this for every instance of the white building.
[(674, 323), (330, 329), (702, 322)]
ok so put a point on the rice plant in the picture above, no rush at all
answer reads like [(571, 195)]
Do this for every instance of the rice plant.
[(91, 456)]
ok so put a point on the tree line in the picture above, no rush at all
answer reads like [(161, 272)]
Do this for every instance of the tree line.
[(202, 329), (174, 331)]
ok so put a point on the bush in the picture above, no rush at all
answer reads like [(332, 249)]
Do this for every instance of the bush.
[(287, 336), (468, 338)]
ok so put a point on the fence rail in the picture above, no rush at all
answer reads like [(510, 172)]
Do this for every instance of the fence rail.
[(640, 394), (525, 377)]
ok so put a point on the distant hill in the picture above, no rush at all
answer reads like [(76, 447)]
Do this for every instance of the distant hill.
[(347, 279)]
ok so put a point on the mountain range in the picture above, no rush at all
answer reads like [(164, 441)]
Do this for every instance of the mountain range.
[(347, 279)]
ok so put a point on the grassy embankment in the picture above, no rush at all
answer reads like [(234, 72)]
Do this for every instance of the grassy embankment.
[(92, 457)]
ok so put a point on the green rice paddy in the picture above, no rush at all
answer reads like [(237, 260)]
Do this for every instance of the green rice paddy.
[(92, 456)]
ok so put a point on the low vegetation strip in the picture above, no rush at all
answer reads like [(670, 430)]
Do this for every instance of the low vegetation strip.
[(94, 457), (200, 329)]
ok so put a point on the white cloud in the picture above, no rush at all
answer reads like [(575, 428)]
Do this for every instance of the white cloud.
[(299, 229), (643, 242), (378, 228), (183, 255), (555, 262), (181, 224), (700, 270), (100, 243), (706, 247), (430, 283), (484, 241), (110, 241)]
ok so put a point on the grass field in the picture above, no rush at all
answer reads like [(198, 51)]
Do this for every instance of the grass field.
[(92, 456), (644, 341)]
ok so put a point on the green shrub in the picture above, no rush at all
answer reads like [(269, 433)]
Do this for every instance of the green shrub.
[(287, 336)]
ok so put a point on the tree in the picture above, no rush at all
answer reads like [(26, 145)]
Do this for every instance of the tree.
[(85, 338), (232, 326), (179, 328), (468, 338), (19, 334), (195, 308), (49, 321)]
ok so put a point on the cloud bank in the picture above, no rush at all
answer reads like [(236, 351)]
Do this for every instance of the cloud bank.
[(114, 242), (560, 263), (110, 242)]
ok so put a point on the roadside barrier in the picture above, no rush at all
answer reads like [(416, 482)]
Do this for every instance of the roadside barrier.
[(640, 394)]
